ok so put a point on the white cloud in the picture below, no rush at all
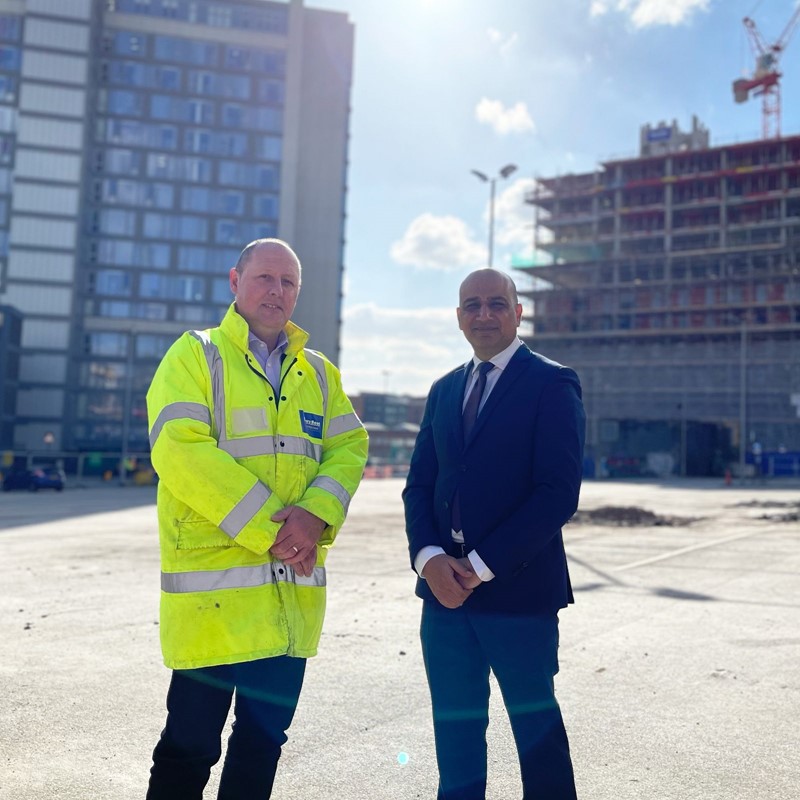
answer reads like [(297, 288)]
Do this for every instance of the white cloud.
[(505, 44), (400, 350), (495, 37), (515, 119), (441, 243), (514, 227), (666, 12), (513, 216), (644, 13)]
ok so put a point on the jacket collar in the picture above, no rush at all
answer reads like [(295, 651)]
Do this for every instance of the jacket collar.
[(507, 379), (235, 328)]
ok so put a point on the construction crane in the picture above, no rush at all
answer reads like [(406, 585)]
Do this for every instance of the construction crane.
[(765, 82)]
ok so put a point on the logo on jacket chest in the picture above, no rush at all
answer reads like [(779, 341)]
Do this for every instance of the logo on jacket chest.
[(311, 424)]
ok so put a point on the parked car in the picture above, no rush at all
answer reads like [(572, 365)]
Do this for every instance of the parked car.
[(42, 477)]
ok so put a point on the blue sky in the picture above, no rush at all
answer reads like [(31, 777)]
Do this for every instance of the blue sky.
[(554, 86)]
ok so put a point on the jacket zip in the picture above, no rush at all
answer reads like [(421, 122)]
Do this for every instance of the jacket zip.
[(278, 587)]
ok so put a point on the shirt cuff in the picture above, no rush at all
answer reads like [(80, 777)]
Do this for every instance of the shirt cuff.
[(424, 556), (478, 564)]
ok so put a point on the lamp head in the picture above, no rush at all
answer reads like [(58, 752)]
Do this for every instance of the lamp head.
[(508, 169)]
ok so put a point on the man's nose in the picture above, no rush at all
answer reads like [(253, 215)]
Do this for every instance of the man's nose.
[(484, 312), (276, 288)]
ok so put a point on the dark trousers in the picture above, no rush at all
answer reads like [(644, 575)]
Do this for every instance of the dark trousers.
[(459, 648), (198, 702)]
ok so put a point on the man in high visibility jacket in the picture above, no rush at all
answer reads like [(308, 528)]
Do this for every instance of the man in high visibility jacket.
[(258, 453)]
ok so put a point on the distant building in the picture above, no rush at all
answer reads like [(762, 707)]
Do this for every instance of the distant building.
[(393, 424), (389, 409), (142, 144), (10, 336), (674, 290)]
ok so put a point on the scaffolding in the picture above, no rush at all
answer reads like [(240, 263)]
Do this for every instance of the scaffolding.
[(674, 290)]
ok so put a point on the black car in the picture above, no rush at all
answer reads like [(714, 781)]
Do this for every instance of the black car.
[(44, 477)]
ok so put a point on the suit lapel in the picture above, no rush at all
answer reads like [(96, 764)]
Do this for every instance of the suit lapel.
[(456, 401), (514, 369)]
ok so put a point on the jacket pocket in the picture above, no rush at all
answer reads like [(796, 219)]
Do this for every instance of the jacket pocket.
[(252, 419), (197, 534)]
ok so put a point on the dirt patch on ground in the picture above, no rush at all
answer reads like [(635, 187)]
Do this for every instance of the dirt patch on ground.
[(628, 517), (766, 504), (793, 515)]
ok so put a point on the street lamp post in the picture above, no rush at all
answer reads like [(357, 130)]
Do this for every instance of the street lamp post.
[(504, 173)]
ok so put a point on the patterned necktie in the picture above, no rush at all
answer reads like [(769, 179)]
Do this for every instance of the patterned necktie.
[(468, 418)]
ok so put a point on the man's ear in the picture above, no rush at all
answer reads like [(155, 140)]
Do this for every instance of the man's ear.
[(233, 277)]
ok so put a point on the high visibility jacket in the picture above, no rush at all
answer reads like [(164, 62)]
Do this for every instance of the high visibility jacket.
[(230, 450)]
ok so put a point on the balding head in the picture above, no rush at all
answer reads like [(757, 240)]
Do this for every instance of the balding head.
[(276, 246), (489, 273), (488, 312)]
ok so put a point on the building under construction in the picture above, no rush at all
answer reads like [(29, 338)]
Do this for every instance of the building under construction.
[(674, 291)]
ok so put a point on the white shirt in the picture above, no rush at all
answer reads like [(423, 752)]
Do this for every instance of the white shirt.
[(500, 362)]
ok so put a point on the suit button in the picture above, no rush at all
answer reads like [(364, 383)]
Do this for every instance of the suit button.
[(463, 467), (446, 504)]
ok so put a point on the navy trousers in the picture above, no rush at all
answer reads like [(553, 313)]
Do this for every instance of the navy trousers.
[(460, 647), (198, 702)]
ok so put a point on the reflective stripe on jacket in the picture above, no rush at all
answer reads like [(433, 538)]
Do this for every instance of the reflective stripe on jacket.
[(230, 451)]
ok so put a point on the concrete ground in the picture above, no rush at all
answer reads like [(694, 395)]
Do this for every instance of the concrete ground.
[(679, 662)]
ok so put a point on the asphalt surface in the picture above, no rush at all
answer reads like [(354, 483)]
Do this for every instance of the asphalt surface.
[(680, 662)]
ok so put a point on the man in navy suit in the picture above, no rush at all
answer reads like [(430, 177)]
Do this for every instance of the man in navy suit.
[(495, 474)]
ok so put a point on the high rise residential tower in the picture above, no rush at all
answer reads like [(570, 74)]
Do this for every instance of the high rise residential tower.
[(142, 144)]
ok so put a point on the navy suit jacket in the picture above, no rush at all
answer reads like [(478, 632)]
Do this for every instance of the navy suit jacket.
[(518, 479)]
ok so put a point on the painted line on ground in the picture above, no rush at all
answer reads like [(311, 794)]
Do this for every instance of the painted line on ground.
[(692, 548)]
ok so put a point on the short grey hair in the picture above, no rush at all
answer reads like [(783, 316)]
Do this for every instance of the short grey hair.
[(249, 249)]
